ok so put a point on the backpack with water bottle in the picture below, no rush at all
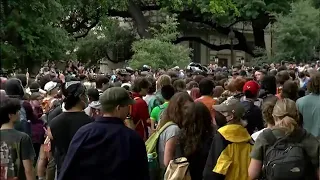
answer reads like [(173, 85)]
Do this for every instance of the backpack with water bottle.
[(152, 154)]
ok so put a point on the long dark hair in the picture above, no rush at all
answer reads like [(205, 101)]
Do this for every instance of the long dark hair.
[(196, 128), (175, 110)]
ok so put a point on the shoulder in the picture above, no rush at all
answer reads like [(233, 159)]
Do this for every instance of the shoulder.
[(57, 119), (170, 131)]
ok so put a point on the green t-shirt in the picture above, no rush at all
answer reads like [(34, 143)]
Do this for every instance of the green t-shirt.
[(156, 112)]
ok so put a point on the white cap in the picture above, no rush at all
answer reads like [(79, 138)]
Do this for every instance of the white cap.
[(126, 84), (50, 86)]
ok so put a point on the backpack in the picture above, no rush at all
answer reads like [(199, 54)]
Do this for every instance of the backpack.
[(162, 108), (285, 160), (178, 169), (151, 147), (252, 119), (24, 124)]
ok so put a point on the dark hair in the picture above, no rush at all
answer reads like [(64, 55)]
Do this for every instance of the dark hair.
[(269, 84), (93, 94), (301, 75), (282, 77), (8, 106), (196, 128), (167, 92), (34, 87), (72, 95), (101, 80), (314, 84), (140, 83), (206, 87), (243, 73), (292, 74), (192, 84), (175, 110), (23, 79), (179, 85), (153, 86), (248, 94), (43, 80), (290, 90)]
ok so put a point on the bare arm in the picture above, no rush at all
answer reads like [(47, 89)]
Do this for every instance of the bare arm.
[(28, 169), (254, 169), (169, 150), (49, 133)]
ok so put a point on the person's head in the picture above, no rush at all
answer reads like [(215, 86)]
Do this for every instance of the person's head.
[(218, 90), (282, 77), (163, 80), (232, 109), (292, 74), (192, 84), (236, 85), (101, 80), (14, 88), (269, 84), (302, 75), (36, 96), (75, 96), (9, 110), (115, 102), (141, 85), (251, 89), (93, 95), (127, 86), (51, 88), (176, 108), (314, 84), (167, 92), (196, 127), (23, 79), (259, 74), (195, 93), (286, 115), (179, 85), (34, 87), (290, 90), (152, 88), (267, 109), (243, 73), (206, 87)]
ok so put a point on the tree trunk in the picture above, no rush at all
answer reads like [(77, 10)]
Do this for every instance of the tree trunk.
[(258, 34), (139, 19)]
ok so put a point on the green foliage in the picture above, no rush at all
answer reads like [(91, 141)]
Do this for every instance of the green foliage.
[(106, 38), (29, 32), (261, 57), (297, 33), (159, 52)]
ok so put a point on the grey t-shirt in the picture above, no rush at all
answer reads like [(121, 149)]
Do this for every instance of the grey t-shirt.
[(15, 146), (167, 134)]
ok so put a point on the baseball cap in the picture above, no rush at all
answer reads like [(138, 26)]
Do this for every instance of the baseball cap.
[(231, 105), (50, 86), (122, 72), (115, 96), (251, 86)]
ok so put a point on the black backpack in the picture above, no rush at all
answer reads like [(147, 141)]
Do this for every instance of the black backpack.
[(285, 159)]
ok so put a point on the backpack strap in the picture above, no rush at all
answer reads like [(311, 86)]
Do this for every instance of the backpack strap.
[(271, 139)]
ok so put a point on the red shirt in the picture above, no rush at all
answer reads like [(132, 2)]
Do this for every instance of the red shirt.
[(140, 114), (208, 102)]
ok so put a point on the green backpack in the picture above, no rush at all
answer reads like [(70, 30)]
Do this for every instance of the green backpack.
[(151, 147)]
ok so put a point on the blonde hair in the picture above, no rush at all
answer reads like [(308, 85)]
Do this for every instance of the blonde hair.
[(163, 80), (285, 114)]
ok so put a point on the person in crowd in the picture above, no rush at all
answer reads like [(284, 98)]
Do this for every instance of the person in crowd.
[(107, 140), (303, 80), (48, 102), (290, 90), (139, 111), (17, 153), (195, 93), (253, 115), (268, 87), (281, 77), (195, 138), (94, 106), (286, 119), (190, 85), (166, 92), (151, 92), (230, 149), (234, 89), (206, 87), (179, 85), (63, 127), (267, 109), (309, 106), (101, 80), (169, 137), (259, 75), (157, 100)]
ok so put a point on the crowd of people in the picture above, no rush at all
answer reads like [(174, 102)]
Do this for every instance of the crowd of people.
[(235, 123)]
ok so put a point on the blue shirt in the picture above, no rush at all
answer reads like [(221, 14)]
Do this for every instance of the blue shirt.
[(105, 149)]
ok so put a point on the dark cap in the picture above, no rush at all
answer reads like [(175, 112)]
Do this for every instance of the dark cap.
[(115, 96), (231, 105)]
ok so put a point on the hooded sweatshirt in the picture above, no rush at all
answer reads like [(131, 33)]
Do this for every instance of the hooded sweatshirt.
[(229, 155)]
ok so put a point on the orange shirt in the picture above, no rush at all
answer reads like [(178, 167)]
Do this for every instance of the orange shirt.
[(208, 101)]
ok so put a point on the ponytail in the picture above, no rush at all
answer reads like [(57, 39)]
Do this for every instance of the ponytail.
[(287, 123)]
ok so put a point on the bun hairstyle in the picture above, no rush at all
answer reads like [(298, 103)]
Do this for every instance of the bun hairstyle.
[(72, 91), (286, 115)]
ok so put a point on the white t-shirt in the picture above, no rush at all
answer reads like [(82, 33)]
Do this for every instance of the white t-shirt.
[(255, 135)]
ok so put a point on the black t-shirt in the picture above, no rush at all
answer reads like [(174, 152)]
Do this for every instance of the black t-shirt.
[(63, 127)]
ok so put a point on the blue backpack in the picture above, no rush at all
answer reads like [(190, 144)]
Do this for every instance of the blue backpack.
[(23, 125)]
